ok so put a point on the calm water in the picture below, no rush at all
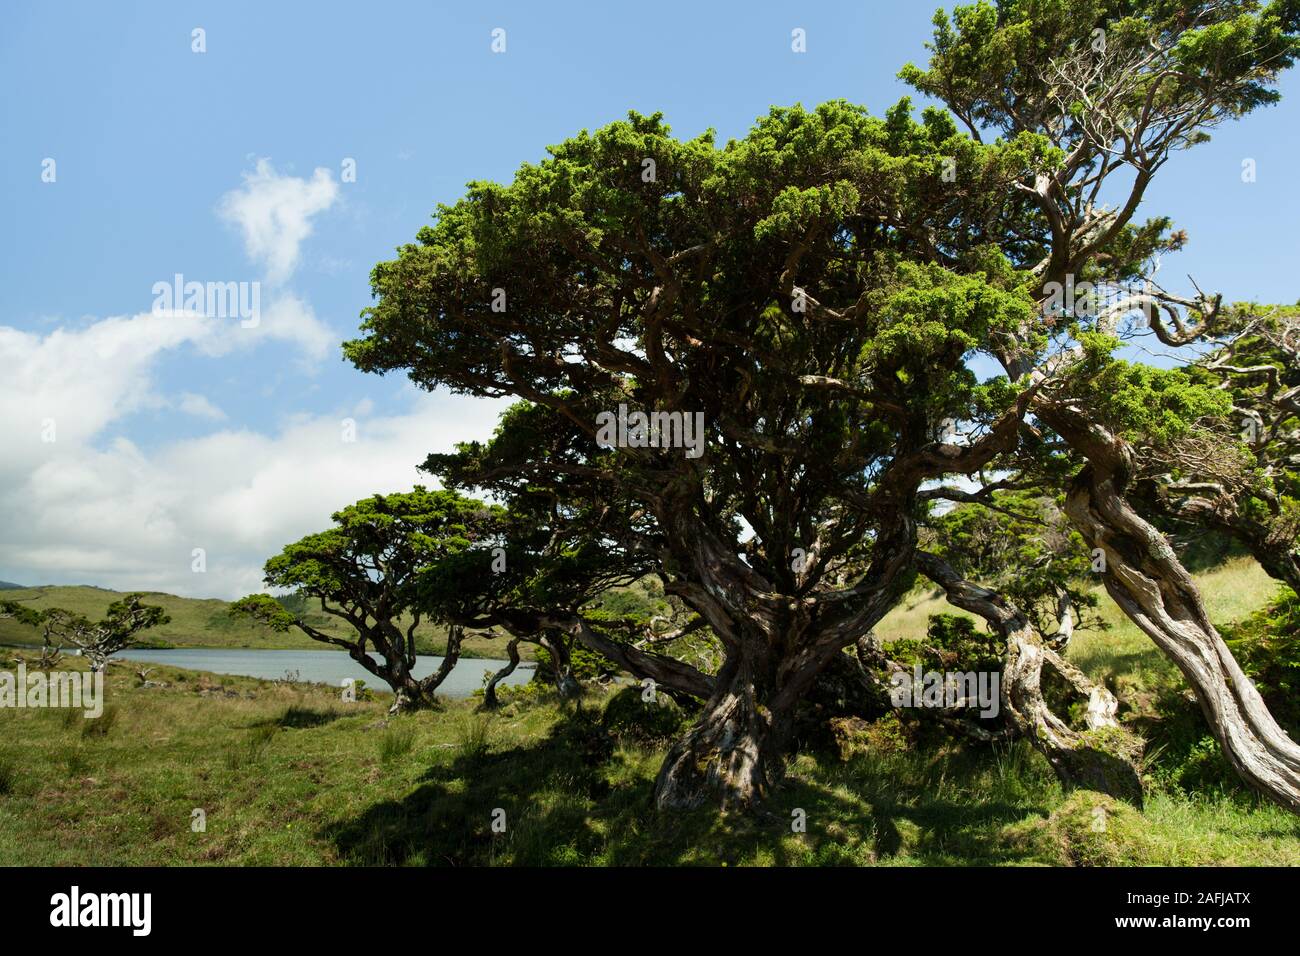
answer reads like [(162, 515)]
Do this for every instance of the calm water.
[(324, 667)]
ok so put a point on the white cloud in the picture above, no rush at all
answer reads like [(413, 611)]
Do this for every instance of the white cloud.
[(274, 213), (289, 318), (197, 405), (78, 510), (77, 380), (77, 507), (70, 383)]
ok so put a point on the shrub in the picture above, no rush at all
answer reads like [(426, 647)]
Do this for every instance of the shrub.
[(854, 736), (628, 717), (951, 643), (474, 736), (1267, 645), (253, 749)]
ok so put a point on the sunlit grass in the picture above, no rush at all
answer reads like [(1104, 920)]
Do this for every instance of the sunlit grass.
[(291, 775)]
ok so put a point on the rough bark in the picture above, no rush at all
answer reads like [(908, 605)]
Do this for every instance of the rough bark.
[(776, 647), (557, 646), (490, 701), (1148, 582), (732, 755), (1099, 758), (410, 693)]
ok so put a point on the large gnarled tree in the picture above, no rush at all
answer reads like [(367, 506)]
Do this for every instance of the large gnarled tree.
[(813, 294)]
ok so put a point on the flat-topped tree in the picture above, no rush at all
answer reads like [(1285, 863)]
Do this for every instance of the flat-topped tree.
[(794, 292), (50, 655), (98, 641), (20, 612), (366, 571)]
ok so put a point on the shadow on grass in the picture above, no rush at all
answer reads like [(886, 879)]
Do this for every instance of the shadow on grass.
[(572, 798), (296, 717)]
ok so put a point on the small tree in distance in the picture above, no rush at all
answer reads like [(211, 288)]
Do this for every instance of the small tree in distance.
[(366, 570), (100, 640)]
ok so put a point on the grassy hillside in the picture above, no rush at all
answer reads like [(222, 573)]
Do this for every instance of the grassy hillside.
[(199, 622), (289, 775), (1231, 591)]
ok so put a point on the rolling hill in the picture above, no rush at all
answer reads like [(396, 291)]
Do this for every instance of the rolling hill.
[(204, 622)]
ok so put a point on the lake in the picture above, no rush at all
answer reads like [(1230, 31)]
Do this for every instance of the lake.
[(322, 667)]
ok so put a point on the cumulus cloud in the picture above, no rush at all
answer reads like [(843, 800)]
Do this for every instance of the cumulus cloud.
[(82, 509), (79, 504), (290, 318), (67, 385), (274, 213)]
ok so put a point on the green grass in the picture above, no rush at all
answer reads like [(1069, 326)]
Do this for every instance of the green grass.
[(289, 775), (204, 622), (1120, 652)]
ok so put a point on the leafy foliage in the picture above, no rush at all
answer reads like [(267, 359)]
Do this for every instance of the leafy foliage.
[(951, 643), (1267, 645)]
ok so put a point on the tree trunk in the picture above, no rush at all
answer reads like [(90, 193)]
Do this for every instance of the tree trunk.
[(407, 699), (1100, 758), (1148, 582), (557, 646), (777, 644), (408, 695), (490, 701), (412, 694), (732, 756)]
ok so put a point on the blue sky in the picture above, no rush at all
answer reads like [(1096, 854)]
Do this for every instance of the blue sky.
[(206, 164)]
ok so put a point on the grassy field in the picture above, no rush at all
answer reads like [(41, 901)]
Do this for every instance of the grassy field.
[(198, 622), (1119, 652), (288, 774)]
